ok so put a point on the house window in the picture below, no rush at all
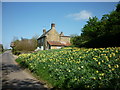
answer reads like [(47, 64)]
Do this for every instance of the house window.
[(38, 41), (42, 40)]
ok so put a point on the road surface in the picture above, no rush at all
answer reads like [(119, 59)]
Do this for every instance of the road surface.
[(15, 78)]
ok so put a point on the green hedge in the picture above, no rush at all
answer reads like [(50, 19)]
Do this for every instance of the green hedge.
[(76, 68)]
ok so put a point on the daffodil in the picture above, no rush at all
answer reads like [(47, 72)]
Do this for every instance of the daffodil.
[(100, 78), (97, 71), (99, 63), (81, 66), (109, 65), (102, 61), (94, 78), (116, 66), (69, 71), (113, 69), (94, 58), (101, 74), (81, 77), (87, 86)]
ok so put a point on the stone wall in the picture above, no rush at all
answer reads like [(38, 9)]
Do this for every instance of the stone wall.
[(56, 47), (53, 35), (65, 39)]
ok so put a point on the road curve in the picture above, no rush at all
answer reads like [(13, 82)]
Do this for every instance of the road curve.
[(15, 78)]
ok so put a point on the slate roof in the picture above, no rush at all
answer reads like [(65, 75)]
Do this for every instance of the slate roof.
[(64, 36)]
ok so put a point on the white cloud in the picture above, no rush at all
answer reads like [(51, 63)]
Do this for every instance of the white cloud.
[(82, 15)]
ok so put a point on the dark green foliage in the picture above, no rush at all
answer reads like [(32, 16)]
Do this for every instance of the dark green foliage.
[(1, 48), (118, 7), (91, 29), (108, 40), (14, 51), (75, 40)]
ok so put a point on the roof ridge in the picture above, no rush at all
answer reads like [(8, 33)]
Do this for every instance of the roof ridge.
[(44, 34)]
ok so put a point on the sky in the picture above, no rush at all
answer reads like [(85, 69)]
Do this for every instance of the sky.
[(27, 19), (60, 0)]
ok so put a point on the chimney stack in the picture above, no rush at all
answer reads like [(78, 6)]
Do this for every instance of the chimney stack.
[(61, 34), (44, 30), (52, 26)]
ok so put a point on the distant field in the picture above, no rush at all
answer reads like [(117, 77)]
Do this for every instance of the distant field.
[(76, 68)]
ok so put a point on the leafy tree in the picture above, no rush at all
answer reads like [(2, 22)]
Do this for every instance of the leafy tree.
[(90, 30), (75, 40), (101, 33), (118, 7)]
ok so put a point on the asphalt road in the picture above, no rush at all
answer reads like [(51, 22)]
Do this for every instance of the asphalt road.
[(15, 78)]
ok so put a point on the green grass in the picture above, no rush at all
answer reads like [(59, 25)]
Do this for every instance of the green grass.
[(76, 68)]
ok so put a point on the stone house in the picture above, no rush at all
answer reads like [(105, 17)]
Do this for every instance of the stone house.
[(51, 39)]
